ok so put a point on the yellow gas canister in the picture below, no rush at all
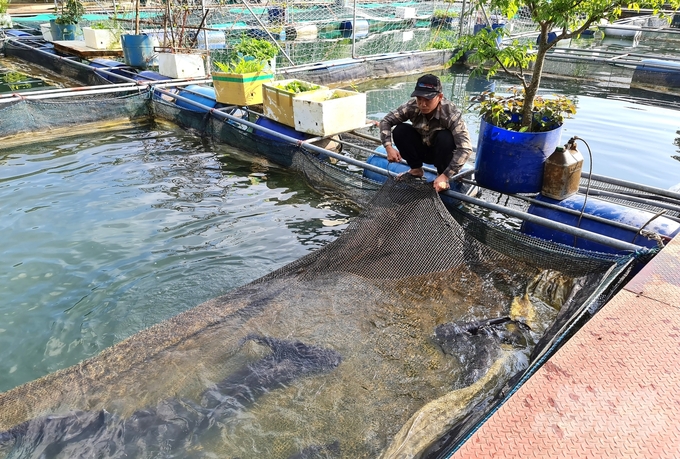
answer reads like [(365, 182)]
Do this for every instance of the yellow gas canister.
[(562, 172)]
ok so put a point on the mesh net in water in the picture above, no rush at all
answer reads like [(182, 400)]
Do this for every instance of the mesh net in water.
[(382, 343)]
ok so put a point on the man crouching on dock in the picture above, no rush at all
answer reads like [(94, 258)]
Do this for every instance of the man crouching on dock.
[(437, 134)]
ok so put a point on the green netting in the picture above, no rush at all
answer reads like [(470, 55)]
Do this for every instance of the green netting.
[(67, 115), (41, 53)]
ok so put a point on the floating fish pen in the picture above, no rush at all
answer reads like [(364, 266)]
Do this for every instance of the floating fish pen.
[(392, 341)]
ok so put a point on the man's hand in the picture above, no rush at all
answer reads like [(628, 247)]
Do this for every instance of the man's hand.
[(441, 183), (393, 155)]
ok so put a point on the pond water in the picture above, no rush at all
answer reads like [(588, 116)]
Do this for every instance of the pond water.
[(107, 234)]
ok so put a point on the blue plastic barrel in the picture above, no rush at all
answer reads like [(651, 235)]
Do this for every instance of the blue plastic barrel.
[(397, 168), (17, 33), (203, 95), (511, 161), (280, 128), (394, 168), (348, 29), (111, 66), (655, 74), (608, 210), (149, 75), (276, 15), (137, 50)]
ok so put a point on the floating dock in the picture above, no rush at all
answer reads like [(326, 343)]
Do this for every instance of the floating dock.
[(610, 391)]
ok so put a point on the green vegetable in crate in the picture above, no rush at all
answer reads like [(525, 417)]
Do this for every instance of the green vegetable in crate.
[(240, 67), (296, 87)]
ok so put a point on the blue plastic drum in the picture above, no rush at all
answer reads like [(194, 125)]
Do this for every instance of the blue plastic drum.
[(511, 161), (203, 95), (608, 210)]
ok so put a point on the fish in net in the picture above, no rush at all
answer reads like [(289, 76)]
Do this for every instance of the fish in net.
[(405, 317)]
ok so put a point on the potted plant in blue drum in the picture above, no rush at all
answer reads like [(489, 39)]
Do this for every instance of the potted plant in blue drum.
[(520, 131), (64, 27)]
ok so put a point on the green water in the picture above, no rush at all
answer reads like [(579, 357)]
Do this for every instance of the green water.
[(105, 235)]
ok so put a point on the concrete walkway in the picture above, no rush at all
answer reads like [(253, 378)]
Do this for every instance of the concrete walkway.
[(610, 391)]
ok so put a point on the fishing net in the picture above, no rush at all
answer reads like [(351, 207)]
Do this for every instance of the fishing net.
[(70, 115), (381, 343), (42, 53)]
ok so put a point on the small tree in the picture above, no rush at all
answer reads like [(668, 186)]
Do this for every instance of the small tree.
[(71, 12), (567, 18)]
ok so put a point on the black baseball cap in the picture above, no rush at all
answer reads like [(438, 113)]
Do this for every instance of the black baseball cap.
[(427, 86)]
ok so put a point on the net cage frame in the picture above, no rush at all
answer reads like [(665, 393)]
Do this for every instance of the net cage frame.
[(323, 175)]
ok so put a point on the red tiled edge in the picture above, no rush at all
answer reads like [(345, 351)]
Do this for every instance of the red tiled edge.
[(610, 391)]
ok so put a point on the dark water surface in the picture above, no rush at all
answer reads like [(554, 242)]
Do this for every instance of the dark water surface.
[(105, 235)]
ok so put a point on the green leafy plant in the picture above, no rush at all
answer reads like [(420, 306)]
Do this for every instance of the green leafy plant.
[(296, 87), (241, 66), (564, 18), (441, 43), (249, 55), (443, 14), (71, 12), (4, 5), (507, 111), (257, 48), (12, 77)]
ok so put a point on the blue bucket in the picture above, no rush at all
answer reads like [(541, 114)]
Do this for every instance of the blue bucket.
[(511, 161), (608, 210), (137, 50)]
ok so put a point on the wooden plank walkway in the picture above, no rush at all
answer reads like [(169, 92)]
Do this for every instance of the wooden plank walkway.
[(610, 391)]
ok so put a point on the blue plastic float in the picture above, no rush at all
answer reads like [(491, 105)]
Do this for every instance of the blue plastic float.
[(665, 227)]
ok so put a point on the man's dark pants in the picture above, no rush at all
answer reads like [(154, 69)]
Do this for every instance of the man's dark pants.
[(411, 147)]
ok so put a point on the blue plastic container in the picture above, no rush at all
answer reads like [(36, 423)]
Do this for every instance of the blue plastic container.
[(510, 161), (608, 210), (398, 168), (149, 75), (280, 128), (349, 30), (656, 74), (203, 95), (18, 33), (137, 50), (479, 27), (276, 15), (552, 36), (111, 66)]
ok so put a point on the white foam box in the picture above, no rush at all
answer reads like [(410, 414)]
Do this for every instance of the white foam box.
[(277, 103), (101, 38), (46, 31), (405, 12), (176, 65), (328, 112)]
